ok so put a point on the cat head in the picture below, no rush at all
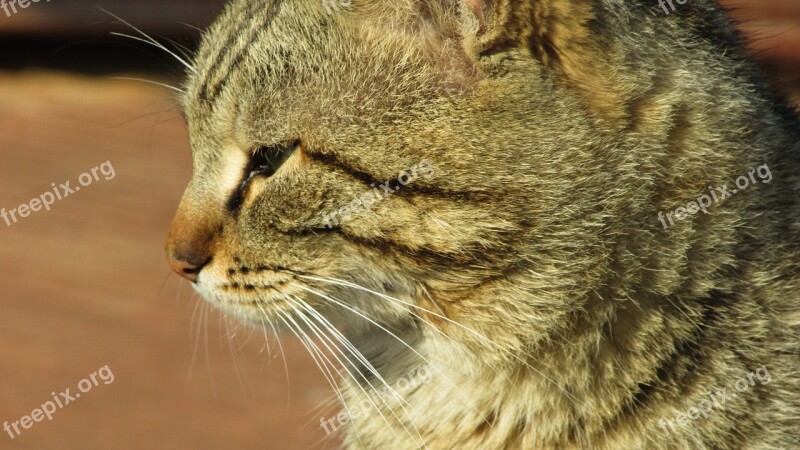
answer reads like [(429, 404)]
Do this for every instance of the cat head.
[(393, 162)]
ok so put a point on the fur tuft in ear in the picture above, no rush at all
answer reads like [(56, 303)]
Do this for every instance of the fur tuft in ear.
[(564, 35), (559, 33), (476, 6)]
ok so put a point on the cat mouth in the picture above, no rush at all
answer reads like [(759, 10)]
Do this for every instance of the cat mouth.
[(245, 292), (260, 303), (254, 287)]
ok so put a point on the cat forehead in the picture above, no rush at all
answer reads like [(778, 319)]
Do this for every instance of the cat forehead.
[(309, 34), (247, 31), (251, 59), (275, 55)]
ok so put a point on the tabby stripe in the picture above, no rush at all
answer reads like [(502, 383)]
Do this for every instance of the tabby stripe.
[(214, 85), (369, 180), (216, 53), (230, 44)]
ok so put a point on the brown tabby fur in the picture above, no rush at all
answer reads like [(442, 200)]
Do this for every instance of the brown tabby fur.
[(530, 274)]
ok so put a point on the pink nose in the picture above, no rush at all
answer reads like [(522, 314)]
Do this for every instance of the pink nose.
[(189, 249), (186, 269), (191, 237)]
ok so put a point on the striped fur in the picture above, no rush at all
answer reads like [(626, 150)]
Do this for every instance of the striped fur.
[(531, 273)]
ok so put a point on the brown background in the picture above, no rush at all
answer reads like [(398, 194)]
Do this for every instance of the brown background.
[(86, 284)]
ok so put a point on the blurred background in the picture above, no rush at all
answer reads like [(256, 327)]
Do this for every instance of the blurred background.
[(86, 284)]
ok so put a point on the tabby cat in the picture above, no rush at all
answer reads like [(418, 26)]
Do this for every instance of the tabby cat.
[(537, 204)]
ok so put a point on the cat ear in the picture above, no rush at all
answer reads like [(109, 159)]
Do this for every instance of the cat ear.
[(549, 28), (556, 32)]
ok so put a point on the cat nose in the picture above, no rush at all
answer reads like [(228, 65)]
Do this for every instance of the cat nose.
[(187, 257), (188, 268), (189, 244)]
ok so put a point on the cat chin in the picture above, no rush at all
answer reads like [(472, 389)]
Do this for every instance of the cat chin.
[(256, 307), (237, 303), (255, 313)]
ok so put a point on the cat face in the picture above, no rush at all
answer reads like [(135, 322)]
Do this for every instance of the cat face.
[(449, 175), (383, 164)]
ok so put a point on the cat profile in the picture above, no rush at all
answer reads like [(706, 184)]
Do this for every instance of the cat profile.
[(530, 276)]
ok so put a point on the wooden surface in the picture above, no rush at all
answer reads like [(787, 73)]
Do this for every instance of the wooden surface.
[(86, 285), (86, 16), (772, 28)]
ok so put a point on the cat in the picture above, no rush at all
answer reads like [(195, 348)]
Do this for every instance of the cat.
[(560, 271)]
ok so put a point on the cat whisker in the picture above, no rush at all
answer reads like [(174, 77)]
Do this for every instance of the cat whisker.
[(280, 347), (398, 301), (324, 322), (393, 335), (302, 338), (324, 407), (314, 329), (143, 115), (156, 83), (411, 305), (195, 334), (348, 345), (191, 26), (235, 352), (317, 355), (209, 370), (266, 338), (345, 283), (353, 351), (183, 50), (157, 121), (148, 39)]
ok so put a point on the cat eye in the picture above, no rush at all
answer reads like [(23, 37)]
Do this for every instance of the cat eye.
[(267, 160)]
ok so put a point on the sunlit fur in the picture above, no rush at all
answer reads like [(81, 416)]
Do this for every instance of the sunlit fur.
[(531, 272)]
